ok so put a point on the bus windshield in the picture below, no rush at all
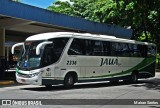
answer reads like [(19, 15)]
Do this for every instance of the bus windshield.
[(49, 54), (29, 59)]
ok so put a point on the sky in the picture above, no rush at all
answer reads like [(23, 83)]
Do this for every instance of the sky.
[(38, 3)]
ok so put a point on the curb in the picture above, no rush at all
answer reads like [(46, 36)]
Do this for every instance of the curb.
[(6, 82)]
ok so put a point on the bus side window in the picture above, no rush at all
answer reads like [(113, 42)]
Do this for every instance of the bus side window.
[(77, 47), (114, 49), (106, 48), (97, 48), (89, 47), (59, 45), (151, 51), (124, 50), (142, 49), (130, 47), (134, 51)]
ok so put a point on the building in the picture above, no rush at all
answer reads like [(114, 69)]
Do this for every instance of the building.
[(18, 21)]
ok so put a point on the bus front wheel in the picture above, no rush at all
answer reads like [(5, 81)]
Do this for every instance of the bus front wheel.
[(69, 81)]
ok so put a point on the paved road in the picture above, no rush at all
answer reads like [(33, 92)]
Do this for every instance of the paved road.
[(145, 89)]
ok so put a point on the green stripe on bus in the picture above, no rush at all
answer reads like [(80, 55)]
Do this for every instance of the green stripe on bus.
[(18, 71), (144, 65), (146, 62)]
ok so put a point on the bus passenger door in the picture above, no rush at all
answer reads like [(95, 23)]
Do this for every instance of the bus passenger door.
[(48, 59)]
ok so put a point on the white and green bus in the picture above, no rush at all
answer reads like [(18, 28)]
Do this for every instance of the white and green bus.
[(68, 58)]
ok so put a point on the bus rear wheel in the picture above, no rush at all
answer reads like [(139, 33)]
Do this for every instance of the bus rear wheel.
[(69, 81), (134, 78)]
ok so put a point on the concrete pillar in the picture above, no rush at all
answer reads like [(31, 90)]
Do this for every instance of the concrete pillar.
[(7, 53), (2, 42)]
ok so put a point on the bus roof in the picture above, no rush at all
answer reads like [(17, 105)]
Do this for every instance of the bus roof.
[(47, 36)]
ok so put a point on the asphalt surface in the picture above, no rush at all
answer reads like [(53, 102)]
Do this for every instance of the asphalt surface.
[(146, 89)]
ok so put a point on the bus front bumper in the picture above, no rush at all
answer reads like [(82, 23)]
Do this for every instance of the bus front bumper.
[(24, 79)]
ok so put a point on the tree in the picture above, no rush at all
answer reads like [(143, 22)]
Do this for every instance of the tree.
[(61, 7), (140, 15)]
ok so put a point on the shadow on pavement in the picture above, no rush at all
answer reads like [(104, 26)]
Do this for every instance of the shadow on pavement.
[(149, 84), (78, 86), (154, 106), (152, 84)]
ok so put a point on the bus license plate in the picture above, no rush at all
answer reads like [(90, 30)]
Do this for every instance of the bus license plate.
[(23, 80)]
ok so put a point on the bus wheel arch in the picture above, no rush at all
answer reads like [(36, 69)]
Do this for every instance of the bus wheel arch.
[(70, 78)]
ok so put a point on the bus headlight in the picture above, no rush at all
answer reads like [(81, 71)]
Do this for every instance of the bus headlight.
[(34, 74)]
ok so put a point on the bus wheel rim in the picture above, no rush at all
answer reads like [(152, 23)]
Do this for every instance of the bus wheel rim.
[(134, 77), (70, 80)]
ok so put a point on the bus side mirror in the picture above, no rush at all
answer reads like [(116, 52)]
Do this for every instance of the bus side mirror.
[(15, 45), (39, 46)]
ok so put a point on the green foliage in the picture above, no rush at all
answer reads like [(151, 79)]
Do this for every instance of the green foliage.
[(61, 7), (140, 15)]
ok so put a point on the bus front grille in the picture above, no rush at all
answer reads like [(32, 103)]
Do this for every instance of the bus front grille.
[(24, 75)]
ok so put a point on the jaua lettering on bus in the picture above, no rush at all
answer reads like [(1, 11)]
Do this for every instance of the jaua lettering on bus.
[(109, 61)]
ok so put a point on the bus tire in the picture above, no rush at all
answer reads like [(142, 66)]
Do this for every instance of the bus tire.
[(134, 77), (69, 81)]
